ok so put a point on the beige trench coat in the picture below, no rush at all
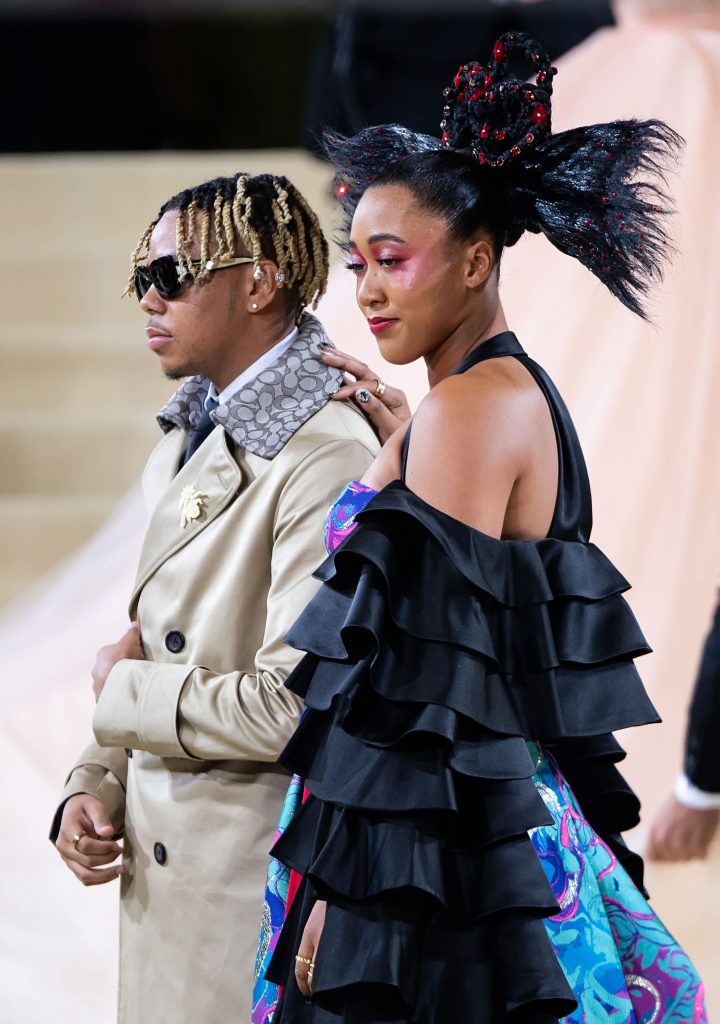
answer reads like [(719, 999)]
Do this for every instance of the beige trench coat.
[(204, 718)]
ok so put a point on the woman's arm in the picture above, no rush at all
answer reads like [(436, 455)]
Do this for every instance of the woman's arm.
[(386, 466)]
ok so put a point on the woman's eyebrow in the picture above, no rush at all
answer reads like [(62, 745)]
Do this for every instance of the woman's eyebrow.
[(385, 237), (381, 237)]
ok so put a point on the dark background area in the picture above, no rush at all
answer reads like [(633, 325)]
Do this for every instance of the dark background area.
[(111, 78)]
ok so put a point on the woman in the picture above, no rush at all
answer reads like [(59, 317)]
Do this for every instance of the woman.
[(470, 653)]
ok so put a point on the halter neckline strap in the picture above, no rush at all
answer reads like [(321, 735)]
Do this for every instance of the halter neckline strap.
[(504, 344)]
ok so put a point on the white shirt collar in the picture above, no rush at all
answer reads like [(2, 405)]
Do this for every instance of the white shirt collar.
[(252, 371)]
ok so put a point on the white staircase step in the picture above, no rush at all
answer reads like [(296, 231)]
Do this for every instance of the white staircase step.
[(73, 290), (79, 368), (93, 205), (74, 452), (38, 531)]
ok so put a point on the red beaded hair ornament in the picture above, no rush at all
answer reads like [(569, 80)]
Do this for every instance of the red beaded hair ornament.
[(597, 192), (491, 112)]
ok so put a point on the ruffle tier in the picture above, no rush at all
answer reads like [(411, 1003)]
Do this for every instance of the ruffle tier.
[(435, 655)]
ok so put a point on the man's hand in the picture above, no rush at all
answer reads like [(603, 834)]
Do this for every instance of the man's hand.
[(305, 959), (128, 646), (85, 840), (681, 833)]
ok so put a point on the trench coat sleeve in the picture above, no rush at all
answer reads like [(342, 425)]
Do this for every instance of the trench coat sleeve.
[(702, 749), (189, 711), (101, 772)]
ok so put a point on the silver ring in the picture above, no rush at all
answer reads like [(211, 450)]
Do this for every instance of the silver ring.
[(363, 395)]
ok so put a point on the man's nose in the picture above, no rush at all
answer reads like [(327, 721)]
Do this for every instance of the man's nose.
[(152, 302)]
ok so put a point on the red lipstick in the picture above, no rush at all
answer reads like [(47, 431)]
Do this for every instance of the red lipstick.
[(380, 323)]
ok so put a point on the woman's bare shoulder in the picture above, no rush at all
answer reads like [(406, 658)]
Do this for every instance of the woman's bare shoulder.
[(470, 443), (490, 395)]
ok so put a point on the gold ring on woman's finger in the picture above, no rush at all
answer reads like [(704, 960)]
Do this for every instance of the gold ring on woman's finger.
[(76, 839), (380, 389), (304, 960)]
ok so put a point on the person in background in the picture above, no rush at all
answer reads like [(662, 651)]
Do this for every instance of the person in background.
[(182, 780), (687, 822)]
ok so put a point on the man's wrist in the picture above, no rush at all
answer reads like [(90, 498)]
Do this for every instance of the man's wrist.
[(696, 799)]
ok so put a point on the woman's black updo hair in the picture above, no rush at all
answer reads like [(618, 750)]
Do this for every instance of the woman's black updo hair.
[(596, 192), (467, 197)]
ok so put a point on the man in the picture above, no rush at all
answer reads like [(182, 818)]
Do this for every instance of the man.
[(687, 822), (191, 708)]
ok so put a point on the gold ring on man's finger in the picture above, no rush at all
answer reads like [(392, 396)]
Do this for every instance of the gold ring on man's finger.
[(380, 389), (76, 839)]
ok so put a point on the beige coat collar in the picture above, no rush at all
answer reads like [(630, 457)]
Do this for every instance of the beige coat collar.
[(264, 414)]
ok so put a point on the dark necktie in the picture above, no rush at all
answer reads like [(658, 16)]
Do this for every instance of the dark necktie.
[(202, 430)]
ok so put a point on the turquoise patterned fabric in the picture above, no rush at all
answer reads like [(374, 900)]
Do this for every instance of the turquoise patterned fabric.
[(619, 959), (265, 994)]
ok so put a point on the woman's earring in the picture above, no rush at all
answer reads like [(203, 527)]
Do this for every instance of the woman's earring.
[(254, 306)]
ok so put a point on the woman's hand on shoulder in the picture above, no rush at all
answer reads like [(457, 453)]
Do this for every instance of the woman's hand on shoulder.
[(465, 456), (386, 407)]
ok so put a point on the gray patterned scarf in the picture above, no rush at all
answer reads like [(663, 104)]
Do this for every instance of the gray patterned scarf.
[(264, 414)]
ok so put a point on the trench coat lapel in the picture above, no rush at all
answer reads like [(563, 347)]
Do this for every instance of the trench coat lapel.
[(215, 479)]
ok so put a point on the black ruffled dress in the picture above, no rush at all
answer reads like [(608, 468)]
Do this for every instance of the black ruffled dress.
[(446, 670)]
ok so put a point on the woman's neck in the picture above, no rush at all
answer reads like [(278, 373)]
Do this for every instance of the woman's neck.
[(472, 332)]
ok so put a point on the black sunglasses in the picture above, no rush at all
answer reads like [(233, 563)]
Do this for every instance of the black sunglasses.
[(169, 276)]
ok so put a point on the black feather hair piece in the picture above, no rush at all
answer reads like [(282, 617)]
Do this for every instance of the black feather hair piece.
[(598, 193), (359, 160)]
